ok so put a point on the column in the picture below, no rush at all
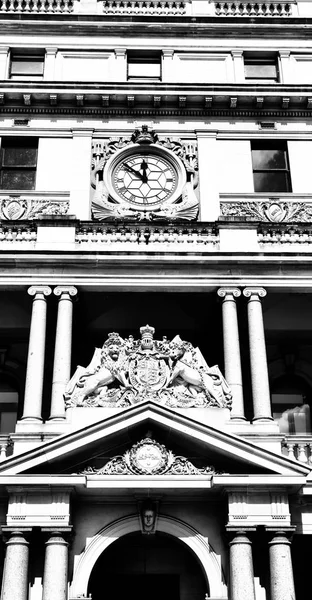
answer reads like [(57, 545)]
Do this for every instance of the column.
[(81, 155), (36, 352), (168, 65), (232, 358), (242, 585), (55, 580), (4, 62), (120, 66), (281, 571), (15, 575), (238, 63), (285, 65), (63, 346), (208, 167), (49, 63), (258, 358)]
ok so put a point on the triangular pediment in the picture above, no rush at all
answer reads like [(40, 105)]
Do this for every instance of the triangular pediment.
[(202, 444)]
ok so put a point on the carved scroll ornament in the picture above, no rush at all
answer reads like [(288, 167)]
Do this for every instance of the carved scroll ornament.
[(274, 211), (127, 371)]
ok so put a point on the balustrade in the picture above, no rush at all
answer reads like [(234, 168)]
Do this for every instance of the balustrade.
[(253, 9), (147, 7), (25, 234), (146, 237), (36, 6), (298, 448)]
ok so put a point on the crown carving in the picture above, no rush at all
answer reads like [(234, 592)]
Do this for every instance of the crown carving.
[(144, 136)]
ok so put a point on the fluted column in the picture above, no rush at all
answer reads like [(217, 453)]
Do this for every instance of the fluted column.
[(15, 574), (55, 576), (63, 346), (241, 568), (281, 571), (258, 357), (36, 353), (232, 358)]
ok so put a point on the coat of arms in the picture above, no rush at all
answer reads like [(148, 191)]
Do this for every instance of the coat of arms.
[(127, 371)]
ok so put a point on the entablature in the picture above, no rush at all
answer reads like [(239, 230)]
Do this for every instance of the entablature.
[(156, 98)]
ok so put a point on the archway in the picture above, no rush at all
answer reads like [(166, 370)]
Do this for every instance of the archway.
[(147, 566), (206, 557)]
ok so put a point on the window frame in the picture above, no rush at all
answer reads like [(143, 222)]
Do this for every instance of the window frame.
[(31, 143), (271, 145), (28, 57), (144, 57), (262, 60)]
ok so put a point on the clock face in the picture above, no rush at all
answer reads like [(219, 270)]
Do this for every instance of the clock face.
[(144, 178)]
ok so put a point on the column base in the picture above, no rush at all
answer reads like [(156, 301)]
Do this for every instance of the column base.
[(57, 419), (260, 420), (32, 419), (238, 419)]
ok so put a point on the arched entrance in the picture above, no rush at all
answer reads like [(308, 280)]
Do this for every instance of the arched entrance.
[(196, 543), (153, 567)]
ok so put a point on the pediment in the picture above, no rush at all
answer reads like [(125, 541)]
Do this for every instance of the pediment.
[(205, 447)]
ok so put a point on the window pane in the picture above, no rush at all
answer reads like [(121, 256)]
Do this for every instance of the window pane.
[(27, 67), (143, 69), (276, 181), (19, 156), (260, 71), (18, 180), (268, 159), (7, 422)]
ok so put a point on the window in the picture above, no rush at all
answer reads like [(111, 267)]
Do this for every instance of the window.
[(18, 163), (261, 69), (290, 404), (8, 405), (270, 167), (25, 65), (144, 65)]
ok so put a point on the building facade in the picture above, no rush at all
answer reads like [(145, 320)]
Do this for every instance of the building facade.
[(155, 302)]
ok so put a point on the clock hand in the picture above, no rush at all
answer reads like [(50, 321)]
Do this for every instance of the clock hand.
[(144, 166), (136, 173)]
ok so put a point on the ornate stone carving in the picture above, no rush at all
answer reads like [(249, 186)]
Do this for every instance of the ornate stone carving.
[(148, 457), (15, 208), (107, 205), (127, 371), (274, 211)]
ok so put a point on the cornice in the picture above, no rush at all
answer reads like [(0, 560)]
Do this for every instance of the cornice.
[(161, 99), (136, 26)]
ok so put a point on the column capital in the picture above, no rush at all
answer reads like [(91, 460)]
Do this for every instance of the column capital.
[(43, 290), (284, 53), (229, 291), (69, 290), (12, 536), (168, 52), (254, 293), (237, 53), (51, 50), (120, 52), (4, 49)]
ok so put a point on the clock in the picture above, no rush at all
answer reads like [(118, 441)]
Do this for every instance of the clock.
[(144, 176)]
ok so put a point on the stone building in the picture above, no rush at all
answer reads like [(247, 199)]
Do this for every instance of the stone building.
[(155, 305)]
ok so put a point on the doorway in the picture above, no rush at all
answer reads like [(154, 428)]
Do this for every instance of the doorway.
[(147, 567)]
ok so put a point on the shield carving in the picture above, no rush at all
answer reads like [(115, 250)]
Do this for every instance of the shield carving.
[(148, 374)]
